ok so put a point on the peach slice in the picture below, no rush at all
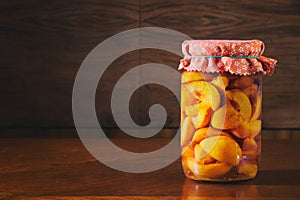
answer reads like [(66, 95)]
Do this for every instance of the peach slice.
[(191, 76), (195, 109), (242, 82), (202, 157), (200, 154), (223, 149), (213, 170), (236, 110), (221, 82), (203, 133), (221, 118), (192, 110), (203, 117), (208, 160), (251, 91), (257, 107), (249, 144), (205, 92), (187, 131), (247, 169), (238, 133), (199, 135), (250, 149), (240, 102), (187, 99), (248, 129), (187, 152)]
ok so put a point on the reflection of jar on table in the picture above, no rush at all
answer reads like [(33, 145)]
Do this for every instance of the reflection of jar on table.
[(198, 190), (221, 103)]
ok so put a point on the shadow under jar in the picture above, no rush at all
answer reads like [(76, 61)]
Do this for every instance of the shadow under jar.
[(221, 108)]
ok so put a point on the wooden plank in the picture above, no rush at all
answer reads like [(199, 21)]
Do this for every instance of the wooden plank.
[(274, 22), (45, 43)]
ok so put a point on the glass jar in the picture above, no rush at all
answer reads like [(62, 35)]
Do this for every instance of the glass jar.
[(221, 108)]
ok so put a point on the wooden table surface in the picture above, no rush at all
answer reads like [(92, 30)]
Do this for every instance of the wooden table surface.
[(63, 169)]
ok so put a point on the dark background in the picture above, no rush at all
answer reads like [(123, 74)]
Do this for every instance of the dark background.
[(43, 44)]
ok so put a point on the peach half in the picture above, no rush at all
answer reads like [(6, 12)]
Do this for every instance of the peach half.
[(187, 99), (247, 169), (251, 91), (223, 149), (206, 132), (250, 144), (201, 156), (257, 107), (187, 152), (237, 110), (248, 129), (240, 102), (251, 149), (203, 116), (213, 170), (220, 82), (187, 131), (205, 92)]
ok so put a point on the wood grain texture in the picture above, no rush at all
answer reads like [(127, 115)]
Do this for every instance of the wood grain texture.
[(46, 41), (274, 22), (63, 169)]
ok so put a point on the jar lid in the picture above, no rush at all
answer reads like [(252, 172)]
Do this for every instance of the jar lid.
[(240, 57)]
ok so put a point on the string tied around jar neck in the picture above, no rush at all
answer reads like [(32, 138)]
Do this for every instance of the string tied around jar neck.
[(233, 57)]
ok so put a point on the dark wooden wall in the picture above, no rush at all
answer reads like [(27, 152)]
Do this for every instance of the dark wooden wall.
[(43, 44)]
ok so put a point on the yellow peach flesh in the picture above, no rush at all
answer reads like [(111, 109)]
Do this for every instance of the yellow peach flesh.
[(257, 107), (203, 117), (251, 91), (225, 118), (220, 82), (248, 129), (187, 99), (249, 144), (187, 152), (223, 149), (187, 131), (236, 111), (240, 102), (247, 169), (213, 170), (206, 93), (199, 153), (191, 76)]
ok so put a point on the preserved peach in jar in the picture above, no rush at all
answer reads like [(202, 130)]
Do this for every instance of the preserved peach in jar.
[(221, 108)]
